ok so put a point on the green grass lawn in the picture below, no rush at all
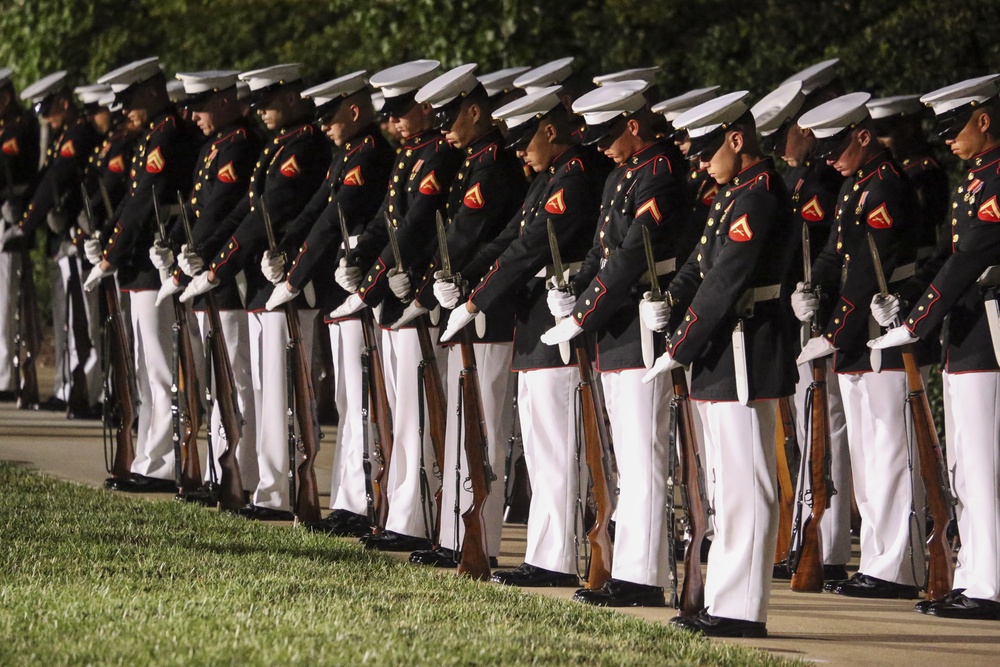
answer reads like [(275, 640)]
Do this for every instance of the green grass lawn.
[(89, 577)]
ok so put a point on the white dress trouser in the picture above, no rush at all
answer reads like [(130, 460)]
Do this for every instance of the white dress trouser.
[(235, 331), (546, 404), (741, 460), (409, 513), (268, 343), (347, 482), (886, 479), (493, 363), (835, 527), (972, 421), (153, 345), (640, 423), (9, 265), (58, 277)]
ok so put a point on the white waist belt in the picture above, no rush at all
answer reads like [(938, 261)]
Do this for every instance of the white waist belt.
[(903, 272), (568, 269), (767, 293)]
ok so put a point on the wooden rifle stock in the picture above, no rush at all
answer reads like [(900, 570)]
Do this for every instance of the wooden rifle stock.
[(808, 574), (28, 336), (597, 444), (692, 490), (437, 405), (78, 402), (231, 485), (786, 499), (940, 567), (380, 415), (475, 551), (190, 473), (306, 502), (122, 379)]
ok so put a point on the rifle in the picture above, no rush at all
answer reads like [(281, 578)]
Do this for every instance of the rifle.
[(805, 558), (122, 376), (933, 472), (475, 550), (305, 503), (231, 485), (788, 451), (375, 410), (692, 597), (187, 467), (430, 394), (77, 323), (596, 441), (26, 333)]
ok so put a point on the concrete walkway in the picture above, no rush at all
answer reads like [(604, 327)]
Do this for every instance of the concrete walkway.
[(821, 628)]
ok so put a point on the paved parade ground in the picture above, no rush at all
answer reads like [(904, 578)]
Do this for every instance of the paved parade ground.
[(821, 628)]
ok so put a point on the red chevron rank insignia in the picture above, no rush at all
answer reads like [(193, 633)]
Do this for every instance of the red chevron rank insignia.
[(474, 197), (812, 211), (651, 208), (10, 147), (708, 196), (740, 230), (155, 162), (429, 185), (290, 167), (556, 204), (228, 173), (117, 164), (880, 218), (68, 149), (354, 177), (989, 211)]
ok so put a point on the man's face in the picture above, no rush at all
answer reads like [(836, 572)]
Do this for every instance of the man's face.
[(206, 115), (462, 131), (339, 128), (101, 120), (972, 140), (618, 144), (57, 113), (725, 163), (538, 154), (683, 142), (416, 120), (273, 116), (854, 155), (799, 145)]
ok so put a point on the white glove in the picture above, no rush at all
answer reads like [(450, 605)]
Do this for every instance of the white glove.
[(560, 302), (273, 268), (281, 294), (198, 285), (96, 275), (348, 277), (167, 289), (446, 291), (804, 304), (161, 256), (457, 321), (56, 222), (885, 309), (894, 338), (92, 249), (663, 363), (352, 305), (67, 249), (654, 314), (11, 234), (566, 330), (399, 283), (816, 347), (412, 311), (190, 262)]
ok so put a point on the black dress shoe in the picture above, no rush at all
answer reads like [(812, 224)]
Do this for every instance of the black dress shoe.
[(830, 584), (94, 413), (619, 593), (53, 404), (136, 483), (529, 576), (834, 572), (963, 607), (440, 557), (342, 523), (922, 606), (8, 396), (716, 626), (206, 494), (258, 513), (863, 586), (781, 571), (390, 541)]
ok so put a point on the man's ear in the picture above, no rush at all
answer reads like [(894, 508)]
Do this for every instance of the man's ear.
[(864, 137), (735, 140), (475, 112), (355, 113), (551, 134), (633, 127), (985, 123)]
